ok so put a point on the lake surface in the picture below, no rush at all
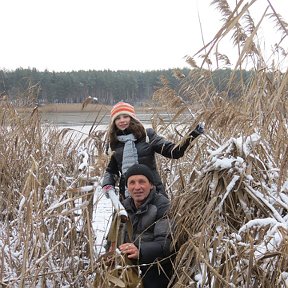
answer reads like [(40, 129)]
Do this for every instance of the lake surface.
[(87, 118), (82, 121)]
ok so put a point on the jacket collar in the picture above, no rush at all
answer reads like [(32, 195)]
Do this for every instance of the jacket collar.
[(144, 206)]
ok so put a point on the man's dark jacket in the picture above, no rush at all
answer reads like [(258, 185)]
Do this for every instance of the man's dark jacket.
[(152, 235)]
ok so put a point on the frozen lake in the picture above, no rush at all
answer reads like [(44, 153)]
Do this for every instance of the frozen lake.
[(86, 118), (82, 121)]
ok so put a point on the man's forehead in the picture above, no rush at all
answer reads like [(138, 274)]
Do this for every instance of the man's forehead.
[(137, 177)]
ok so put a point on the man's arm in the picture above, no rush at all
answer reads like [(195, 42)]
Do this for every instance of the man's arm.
[(160, 246)]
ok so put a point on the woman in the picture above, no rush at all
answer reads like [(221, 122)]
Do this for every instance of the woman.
[(131, 143)]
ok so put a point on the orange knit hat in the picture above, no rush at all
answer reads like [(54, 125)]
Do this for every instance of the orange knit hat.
[(122, 108)]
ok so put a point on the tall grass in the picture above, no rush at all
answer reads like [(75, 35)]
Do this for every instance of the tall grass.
[(46, 239), (228, 193)]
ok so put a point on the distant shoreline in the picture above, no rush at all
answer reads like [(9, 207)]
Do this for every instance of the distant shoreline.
[(78, 107), (74, 107), (77, 114)]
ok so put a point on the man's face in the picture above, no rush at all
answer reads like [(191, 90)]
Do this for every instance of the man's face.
[(139, 188)]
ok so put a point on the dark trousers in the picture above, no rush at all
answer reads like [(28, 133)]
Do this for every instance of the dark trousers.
[(155, 277)]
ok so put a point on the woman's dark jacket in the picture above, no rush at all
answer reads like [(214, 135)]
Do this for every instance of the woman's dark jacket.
[(152, 235), (146, 150)]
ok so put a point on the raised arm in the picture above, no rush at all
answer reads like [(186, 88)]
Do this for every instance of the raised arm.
[(169, 149)]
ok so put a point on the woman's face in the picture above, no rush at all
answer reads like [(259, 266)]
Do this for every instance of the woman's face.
[(122, 122)]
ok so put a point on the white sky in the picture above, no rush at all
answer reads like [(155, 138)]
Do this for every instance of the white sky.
[(66, 35)]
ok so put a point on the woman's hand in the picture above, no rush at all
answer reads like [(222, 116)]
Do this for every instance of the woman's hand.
[(130, 249), (200, 129), (106, 189)]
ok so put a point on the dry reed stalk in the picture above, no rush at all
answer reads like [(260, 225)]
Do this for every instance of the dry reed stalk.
[(210, 205), (43, 244), (229, 192)]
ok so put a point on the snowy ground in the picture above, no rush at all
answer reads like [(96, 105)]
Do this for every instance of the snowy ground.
[(102, 212)]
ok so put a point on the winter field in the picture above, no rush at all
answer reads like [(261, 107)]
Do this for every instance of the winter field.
[(229, 193), (229, 198)]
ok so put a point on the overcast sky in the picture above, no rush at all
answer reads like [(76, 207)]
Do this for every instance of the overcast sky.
[(66, 35)]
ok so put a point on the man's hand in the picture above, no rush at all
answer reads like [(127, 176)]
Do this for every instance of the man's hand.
[(130, 249)]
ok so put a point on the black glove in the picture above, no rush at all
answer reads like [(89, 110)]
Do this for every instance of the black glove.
[(198, 130)]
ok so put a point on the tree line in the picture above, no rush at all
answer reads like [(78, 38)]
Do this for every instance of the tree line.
[(107, 86)]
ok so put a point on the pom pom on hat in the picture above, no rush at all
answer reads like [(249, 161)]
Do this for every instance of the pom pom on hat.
[(122, 108), (139, 169)]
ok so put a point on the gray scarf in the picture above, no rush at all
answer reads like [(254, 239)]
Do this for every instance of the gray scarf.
[(130, 155)]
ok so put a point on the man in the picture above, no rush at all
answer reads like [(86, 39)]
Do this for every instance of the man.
[(151, 241)]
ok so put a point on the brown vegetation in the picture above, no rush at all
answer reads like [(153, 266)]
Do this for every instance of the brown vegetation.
[(80, 107), (229, 193), (66, 107), (75, 107)]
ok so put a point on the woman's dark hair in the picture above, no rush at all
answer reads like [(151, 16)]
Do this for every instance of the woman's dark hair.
[(135, 127)]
